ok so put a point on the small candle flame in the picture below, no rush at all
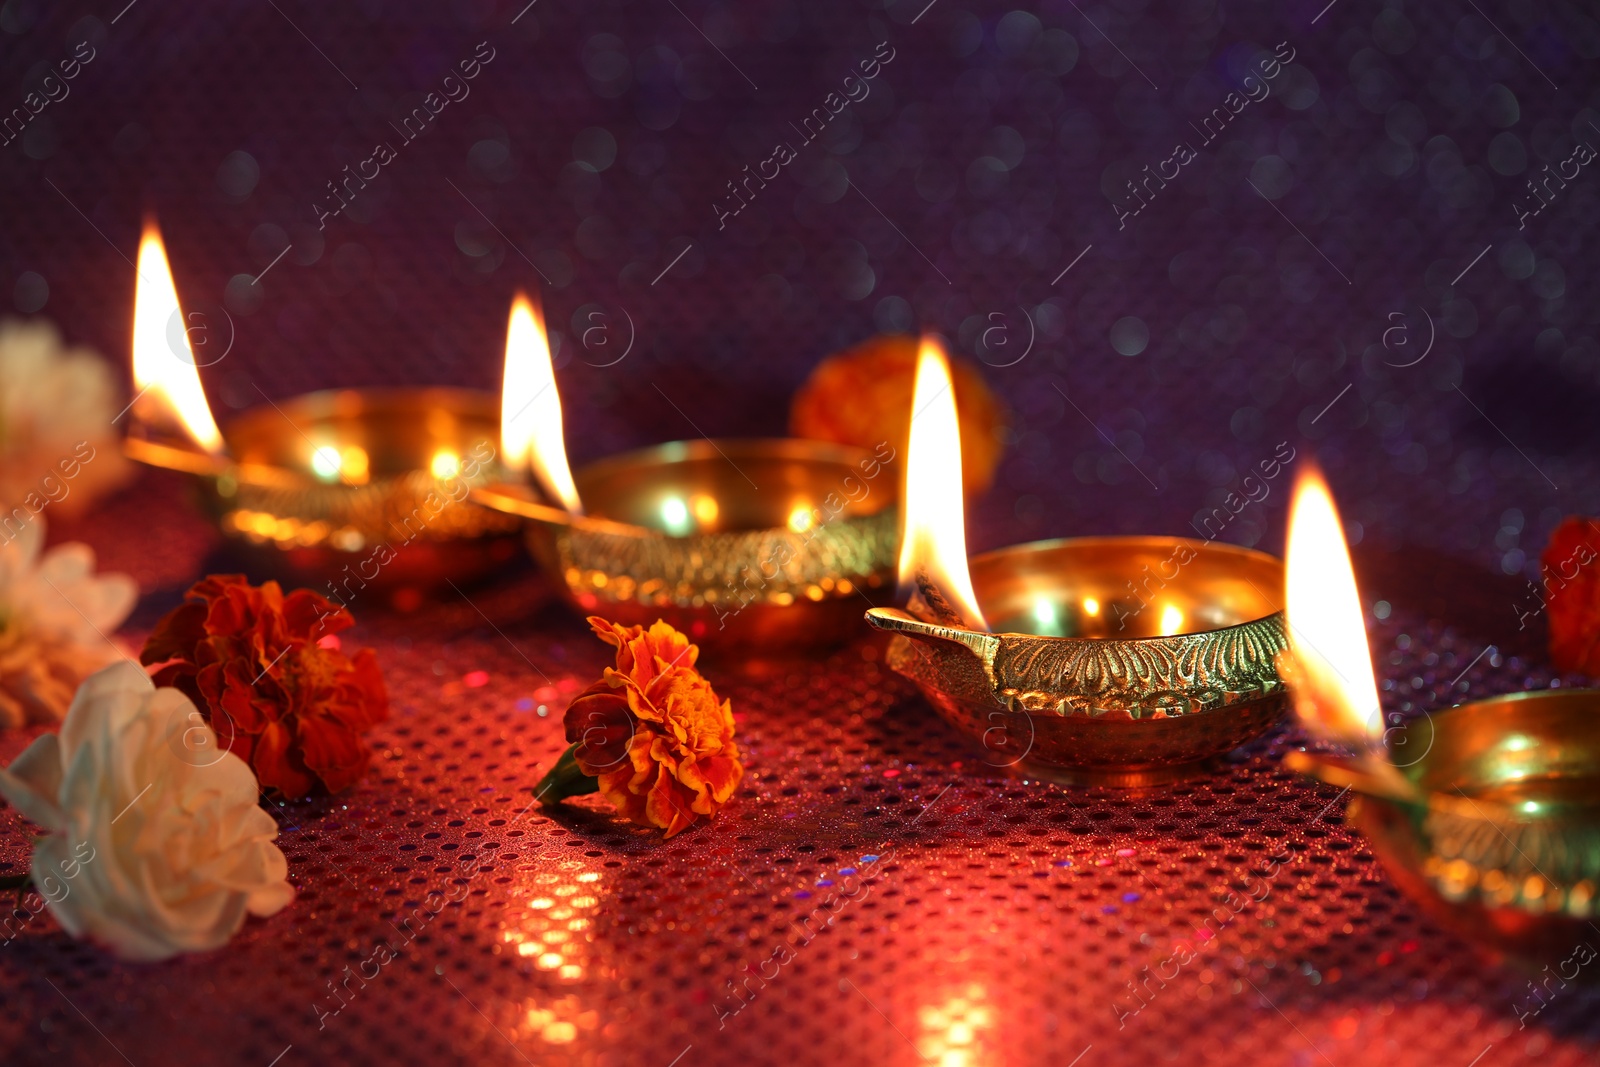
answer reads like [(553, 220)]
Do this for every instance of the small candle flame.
[(530, 407), (164, 370), (933, 549), (1336, 693)]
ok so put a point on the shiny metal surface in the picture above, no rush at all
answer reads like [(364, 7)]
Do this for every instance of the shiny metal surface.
[(1502, 841), (758, 543), (1093, 690), (366, 486)]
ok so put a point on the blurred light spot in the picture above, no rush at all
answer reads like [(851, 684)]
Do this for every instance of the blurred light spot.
[(1016, 32), (1507, 156), (675, 515), (1271, 175), (31, 292), (237, 175), (596, 147), (1129, 335), (445, 464), (1500, 108)]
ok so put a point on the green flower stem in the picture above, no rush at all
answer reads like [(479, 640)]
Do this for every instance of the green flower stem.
[(565, 779)]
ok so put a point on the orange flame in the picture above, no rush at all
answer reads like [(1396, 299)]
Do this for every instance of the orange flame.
[(530, 406), (1337, 693), (164, 370), (935, 540)]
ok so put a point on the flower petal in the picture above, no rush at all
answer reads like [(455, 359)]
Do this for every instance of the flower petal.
[(33, 780)]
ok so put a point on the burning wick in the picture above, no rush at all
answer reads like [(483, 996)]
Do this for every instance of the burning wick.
[(928, 603)]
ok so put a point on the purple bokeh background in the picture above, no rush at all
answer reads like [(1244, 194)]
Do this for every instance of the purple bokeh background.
[(986, 155)]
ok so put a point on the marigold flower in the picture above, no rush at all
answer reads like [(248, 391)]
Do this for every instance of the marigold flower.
[(1571, 592), (249, 657), (650, 734), (862, 396)]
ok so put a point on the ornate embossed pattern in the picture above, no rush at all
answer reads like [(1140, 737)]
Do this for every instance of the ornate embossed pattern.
[(774, 566), (1149, 678), (415, 506), (1540, 867)]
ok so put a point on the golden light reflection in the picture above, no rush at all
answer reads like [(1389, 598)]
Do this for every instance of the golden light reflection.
[(530, 407), (551, 929), (675, 516), (800, 518), (164, 369), (952, 1032), (349, 464), (1337, 691), (1171, 620), (705, 508), (935, 538), (445, 464), (1091, 606), (561, 1021)]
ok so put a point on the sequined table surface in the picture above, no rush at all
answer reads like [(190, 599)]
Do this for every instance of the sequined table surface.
[(1381, 253), (876, 894)]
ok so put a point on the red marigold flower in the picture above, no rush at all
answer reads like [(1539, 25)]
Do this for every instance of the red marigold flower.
[(249, 658)]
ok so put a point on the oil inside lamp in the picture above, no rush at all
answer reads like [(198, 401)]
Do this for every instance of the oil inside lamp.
[(933, 549), (170, 399), (530, 408)]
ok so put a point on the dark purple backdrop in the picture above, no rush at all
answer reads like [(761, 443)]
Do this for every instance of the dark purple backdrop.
[(986, 156)]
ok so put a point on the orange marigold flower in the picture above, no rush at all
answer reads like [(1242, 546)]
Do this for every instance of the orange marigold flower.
[(1572, 595), (250, 659), (650, 735)]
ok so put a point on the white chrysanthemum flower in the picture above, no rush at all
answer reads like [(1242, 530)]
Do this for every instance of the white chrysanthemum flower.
[(156, 843), (58, 447), (56, 620)]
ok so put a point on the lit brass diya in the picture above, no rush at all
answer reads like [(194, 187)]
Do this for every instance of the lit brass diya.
[(1487, 815), (352, 487), (769, 543), (1106, 660), (1494, 831), (1115, 660)]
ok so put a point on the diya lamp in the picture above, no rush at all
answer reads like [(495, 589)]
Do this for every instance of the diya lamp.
[(1487, 815), (1097, 660), (739, 543), (354, 487)]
